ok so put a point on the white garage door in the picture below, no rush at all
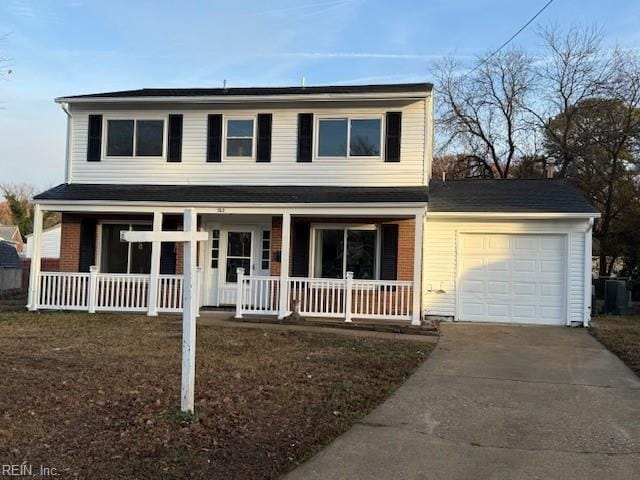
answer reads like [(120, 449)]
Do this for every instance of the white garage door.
[(512, 278)]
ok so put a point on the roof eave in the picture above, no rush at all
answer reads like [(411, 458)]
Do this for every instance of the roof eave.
[(515, 215), (315, 97)]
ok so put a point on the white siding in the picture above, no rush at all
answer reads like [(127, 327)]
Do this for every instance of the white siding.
[(50, 243), (440, 262), (283, 168)]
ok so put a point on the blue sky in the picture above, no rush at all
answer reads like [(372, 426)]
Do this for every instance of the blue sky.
[(63, 47)]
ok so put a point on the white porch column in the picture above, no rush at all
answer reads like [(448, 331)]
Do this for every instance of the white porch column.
[(284, 263), (34, 272), (190, 307), (416, 315), (156, 248)]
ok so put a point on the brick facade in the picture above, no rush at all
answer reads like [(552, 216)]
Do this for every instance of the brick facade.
[(406, 232), (70, 243)]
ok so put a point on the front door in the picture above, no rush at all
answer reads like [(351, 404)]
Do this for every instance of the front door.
[(231, 247), (238, 248)]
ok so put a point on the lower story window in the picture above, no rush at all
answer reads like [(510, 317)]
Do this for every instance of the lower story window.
[(117, 256), (338, 250)]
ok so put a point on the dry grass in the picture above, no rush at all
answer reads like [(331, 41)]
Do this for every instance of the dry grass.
[(95, 395), (621, 335)]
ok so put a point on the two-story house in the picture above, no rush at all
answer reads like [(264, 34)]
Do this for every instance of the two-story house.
[(321, 195)]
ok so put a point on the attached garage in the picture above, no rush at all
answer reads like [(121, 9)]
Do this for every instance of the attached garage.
[(512, 278), (508, 251)]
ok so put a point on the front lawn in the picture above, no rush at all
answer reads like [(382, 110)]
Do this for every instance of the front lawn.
[(621, 335), (96, 396)]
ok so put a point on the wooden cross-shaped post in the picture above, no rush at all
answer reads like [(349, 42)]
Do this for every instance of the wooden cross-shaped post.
[(189, 236)]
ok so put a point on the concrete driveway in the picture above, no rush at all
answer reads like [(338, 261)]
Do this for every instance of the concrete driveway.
[(499, 402)]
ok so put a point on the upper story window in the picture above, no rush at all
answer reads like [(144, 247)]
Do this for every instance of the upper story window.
[(140, 138), (349, 137), (240, 135)]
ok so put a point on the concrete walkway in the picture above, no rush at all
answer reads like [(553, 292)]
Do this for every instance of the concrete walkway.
[(501, 403)]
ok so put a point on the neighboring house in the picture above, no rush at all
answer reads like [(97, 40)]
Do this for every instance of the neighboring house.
[(11, 234), (10, 268), (49, 243), (299, 186)]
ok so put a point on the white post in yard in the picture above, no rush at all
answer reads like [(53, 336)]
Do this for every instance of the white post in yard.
[(189, 305), (284, 264), (34, 272), (92, 292), (156, 248), (239, 290), (189, 237), (416, 313), (348, 287)]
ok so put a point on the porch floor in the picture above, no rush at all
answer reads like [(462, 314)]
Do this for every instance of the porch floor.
[(357, 326)]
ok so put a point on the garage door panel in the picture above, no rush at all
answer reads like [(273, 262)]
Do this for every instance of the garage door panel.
[(498, 266), (524, 266), (473, 286), (512, 278), (529, 289), (494, 287)]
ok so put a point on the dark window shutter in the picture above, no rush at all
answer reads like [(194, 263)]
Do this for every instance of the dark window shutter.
[(87, 254), (214, 138), (94, 142), (392, 140), (175, 138), (305, 137), (264, 137), (168, 250), (300, 249), (389, 251)]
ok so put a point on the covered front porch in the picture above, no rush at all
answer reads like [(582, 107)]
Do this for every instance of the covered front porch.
[(338, 262)]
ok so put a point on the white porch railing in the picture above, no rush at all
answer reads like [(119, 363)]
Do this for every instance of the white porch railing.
[(110, 292), (68, 291), (323, 297)]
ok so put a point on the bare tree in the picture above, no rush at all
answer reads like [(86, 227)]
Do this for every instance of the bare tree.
[(484, 112), (574, 68)]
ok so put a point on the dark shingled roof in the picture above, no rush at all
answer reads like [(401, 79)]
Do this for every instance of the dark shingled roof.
[(509, 196), (206, 92), (235, 193), (9, 256)]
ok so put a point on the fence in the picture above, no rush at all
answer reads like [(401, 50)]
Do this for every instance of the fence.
[(322, 297), (95, 291)]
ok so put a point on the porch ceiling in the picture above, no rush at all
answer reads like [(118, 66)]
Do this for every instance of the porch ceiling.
[(245, 194)]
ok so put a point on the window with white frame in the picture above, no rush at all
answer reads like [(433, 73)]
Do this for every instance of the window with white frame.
[(337, 250), (215, 248), (240, 134), (117, 256), (349, 137), (135, 138), (266, 249)]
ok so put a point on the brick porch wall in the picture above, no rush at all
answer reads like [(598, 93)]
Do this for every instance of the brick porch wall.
[(70, 240), (406, 232), (70, 243)]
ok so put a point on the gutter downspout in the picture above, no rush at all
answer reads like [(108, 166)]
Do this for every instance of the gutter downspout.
[(588, 245), (67, 159)]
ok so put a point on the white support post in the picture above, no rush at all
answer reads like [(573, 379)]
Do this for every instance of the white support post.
[(189, 302), (348, 293), (416, 311), (239, 290), (156, 248), (588, 276), (34, 272), (93, 289), (284, 264)]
